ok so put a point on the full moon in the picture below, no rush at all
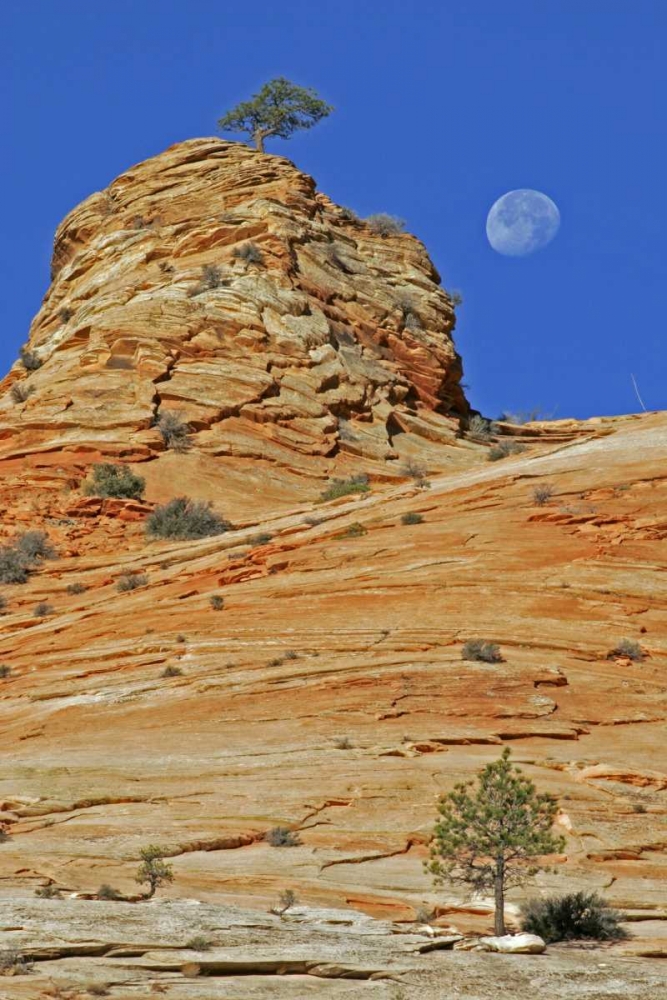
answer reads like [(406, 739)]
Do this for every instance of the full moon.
[(522, 222)]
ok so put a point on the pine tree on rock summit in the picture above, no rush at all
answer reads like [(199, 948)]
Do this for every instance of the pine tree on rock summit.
[(489, 833), (279, 109)]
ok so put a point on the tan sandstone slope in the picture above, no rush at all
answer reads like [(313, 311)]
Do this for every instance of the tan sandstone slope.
[(329, 694)]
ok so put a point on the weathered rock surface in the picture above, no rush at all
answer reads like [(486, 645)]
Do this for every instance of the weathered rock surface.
[(329, 695), (514, 944)]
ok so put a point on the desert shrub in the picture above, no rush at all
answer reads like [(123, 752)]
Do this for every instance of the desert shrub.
[(277, 661), (411, 318), (542, 494), (455, 297), (172, 671), (31, 362), (13, 962), (411, 518), (35, 545), (480, 649), (262, 539), (65, 314), (349, 214), (345, 487), (626, 647), (174, 431), (20, 392), (199, 943), (480, 428), (184, 518), (342, 742), (355, 530), (282, 836), (423, 915), (131, 581), (575, 916), (3, 604), (417, 471), (97, 989), (43, 609), (503, 449), (108, 892), (286, 899), (639, 807), (14, 567), (217, 602), (115, 481), (76, 588), (384, 224), (48, 892), (250, 253), (211, 276), (312, 521), (5, 670), (291, 654)]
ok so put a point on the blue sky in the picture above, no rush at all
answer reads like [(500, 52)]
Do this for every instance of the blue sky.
[(442, 106)]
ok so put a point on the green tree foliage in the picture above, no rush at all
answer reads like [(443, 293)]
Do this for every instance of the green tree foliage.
[(279, 109), (489, 832), (111, 480), (153, 870)]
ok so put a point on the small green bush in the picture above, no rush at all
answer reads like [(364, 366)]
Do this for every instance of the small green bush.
[(76, 588), (355, 530), (48, 892), (503, 449), (43, 609), (345, 487), (199, 943), (250, 253), (217, 602), (20, 392), (573, 917), (627, 647), (31, 361), (174, 431), (282, 836), (65, 314), (262, 539), (286, 899), (183, 518), (5, 670), (412, 518), (131, 581), (115, 481), (172, 672), (481, 650), (384, 224), (108, 892)]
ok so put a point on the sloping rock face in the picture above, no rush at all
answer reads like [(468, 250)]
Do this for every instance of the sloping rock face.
[(214, 281), (328, 695)]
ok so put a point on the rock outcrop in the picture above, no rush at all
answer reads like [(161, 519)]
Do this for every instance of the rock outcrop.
[(216, 282)]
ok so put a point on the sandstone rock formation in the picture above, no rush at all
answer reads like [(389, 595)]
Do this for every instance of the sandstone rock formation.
[(329, 694)]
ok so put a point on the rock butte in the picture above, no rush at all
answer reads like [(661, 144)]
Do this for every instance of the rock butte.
[(329, 695)]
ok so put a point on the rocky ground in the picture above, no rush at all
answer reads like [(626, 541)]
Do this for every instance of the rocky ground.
[(328, 695)]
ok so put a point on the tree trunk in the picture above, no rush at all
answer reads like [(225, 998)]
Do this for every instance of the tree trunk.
[(499, 919), (259, 141)]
